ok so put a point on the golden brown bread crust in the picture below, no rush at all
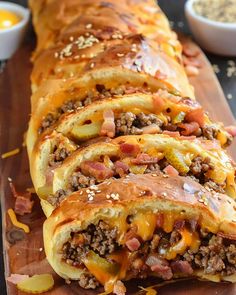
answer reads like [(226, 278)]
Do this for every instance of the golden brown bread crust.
[(86, 45), (178, 196), (55, 22), (90, 53)]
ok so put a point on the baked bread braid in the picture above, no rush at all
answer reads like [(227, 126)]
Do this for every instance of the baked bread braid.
[(131, 172)]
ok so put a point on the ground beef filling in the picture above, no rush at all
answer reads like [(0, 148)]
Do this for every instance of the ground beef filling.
[(58, 156), (72, 105), (215, 255), (197, 171), (100, 239), (129, 123)]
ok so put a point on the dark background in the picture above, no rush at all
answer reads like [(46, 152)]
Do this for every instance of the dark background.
[(174, 9)]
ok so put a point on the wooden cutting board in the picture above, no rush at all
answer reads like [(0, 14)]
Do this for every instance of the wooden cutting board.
[(27, 256)]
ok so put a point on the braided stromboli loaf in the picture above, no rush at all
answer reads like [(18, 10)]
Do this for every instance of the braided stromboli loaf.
[(130, 170)]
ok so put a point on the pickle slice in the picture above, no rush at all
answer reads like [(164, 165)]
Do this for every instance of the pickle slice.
[(36, 284)]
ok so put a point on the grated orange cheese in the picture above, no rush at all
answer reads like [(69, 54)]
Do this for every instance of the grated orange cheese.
[(15, 222), (10, 153), (149, 290)]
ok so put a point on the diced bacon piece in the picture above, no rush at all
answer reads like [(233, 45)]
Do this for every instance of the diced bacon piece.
[(162, 271), (121, 168), (96, 169), (16, 278), (129, 149), (196, 115), (133, 244), (144, 159), (190, 50), (119, 288), (188, 128), (181, 267), (23, 203), (171, 133), (108, 127), (151, 129), (231, 130), (227, 236), (171, 171)]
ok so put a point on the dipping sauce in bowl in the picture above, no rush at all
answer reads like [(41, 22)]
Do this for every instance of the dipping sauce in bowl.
[(8, 19), (223, 11)]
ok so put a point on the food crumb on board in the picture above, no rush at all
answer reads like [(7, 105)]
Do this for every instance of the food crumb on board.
[(216, 68), (10, 153), (231, 69)]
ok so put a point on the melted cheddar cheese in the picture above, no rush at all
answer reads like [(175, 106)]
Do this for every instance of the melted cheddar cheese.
[(8, 19)]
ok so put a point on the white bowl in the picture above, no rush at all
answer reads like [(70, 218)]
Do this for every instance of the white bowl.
[(216, 37), (11, 38)]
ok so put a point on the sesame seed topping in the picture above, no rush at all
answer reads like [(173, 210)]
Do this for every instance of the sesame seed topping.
[(120, 54), (234, 220), (117, 35), (82, 42), (216, 68), (164, 194), (115, 197), (154, 174), (56, 54), (92, 65), (89, 26), (9, 179), (231, 69)]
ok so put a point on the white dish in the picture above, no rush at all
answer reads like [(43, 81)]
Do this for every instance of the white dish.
[(216, 37), (11, 38)]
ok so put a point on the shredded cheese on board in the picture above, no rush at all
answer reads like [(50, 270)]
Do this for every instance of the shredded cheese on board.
[(10, 153), (16, 223)]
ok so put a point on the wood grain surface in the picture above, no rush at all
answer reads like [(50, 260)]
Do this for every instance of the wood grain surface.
[(27, 256)]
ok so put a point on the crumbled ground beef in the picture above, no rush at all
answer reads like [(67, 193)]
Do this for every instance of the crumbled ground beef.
[(209, 132), (200, 166), (88, 281), (98, 238), (78, 180), (57, 198), (129, 123), (58, 156), (214, 256)]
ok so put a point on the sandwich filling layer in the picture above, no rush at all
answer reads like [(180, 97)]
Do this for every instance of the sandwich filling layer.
[(151, 245)]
